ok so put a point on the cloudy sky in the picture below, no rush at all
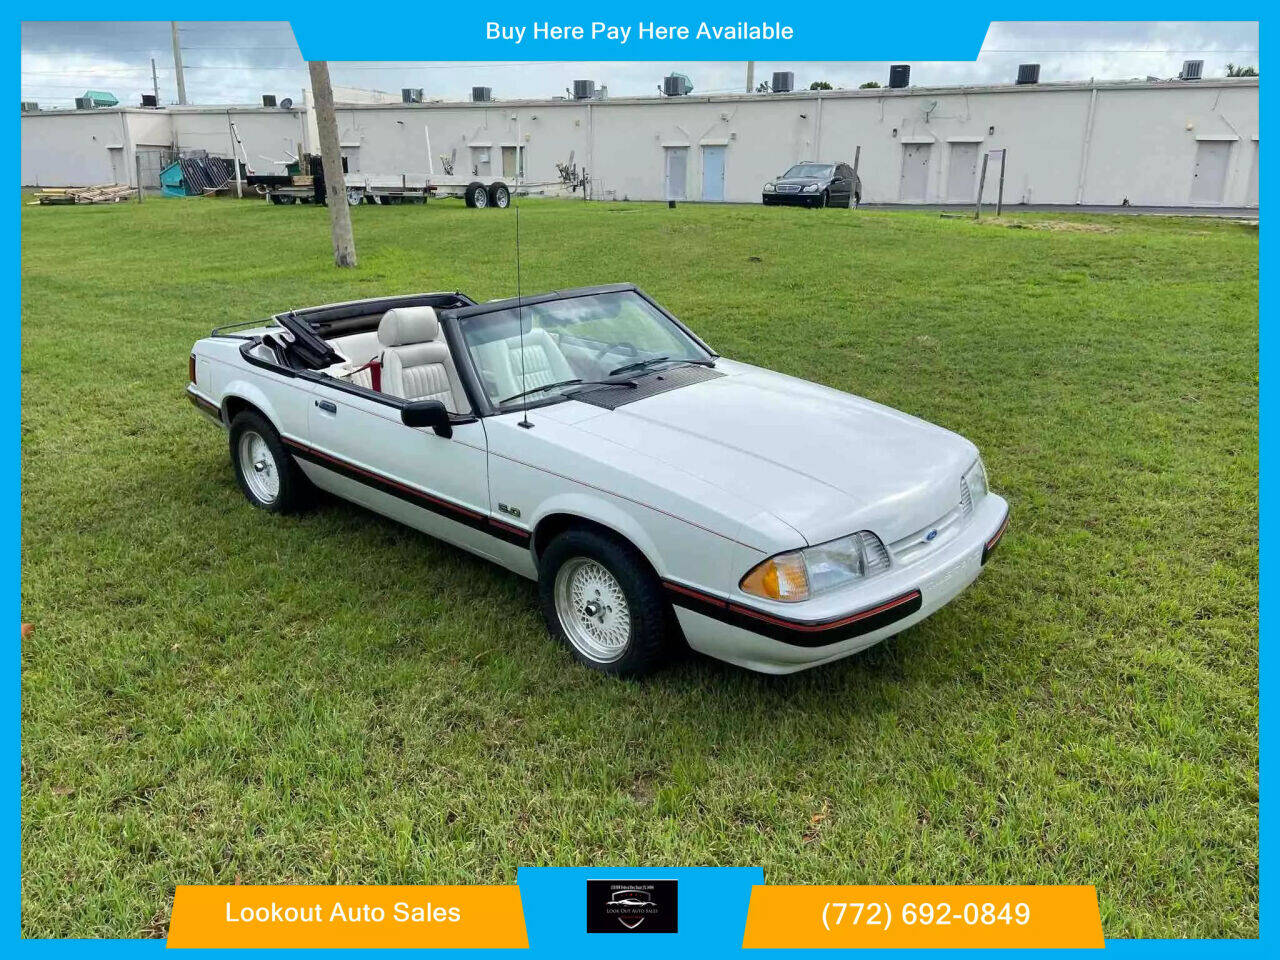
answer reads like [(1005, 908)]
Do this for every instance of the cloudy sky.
[(227, 62)]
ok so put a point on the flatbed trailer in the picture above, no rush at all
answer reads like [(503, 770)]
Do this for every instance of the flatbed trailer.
[(402, 188)]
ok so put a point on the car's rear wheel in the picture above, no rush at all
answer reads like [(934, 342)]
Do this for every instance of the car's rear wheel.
[(266, 472), (601, 599), (499, 195)]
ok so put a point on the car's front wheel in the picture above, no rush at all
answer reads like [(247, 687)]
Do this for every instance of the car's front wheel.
[(266, 472), (600, 597)]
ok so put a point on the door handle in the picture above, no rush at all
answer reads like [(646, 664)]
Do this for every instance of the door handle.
[(327, 406)]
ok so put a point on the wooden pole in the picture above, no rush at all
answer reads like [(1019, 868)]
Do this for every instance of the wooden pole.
[(1000, 195), (982, 179), (335, 183), (177, 62)]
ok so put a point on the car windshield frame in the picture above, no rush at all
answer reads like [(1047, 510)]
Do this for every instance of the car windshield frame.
[(828, 169), (471, 328)]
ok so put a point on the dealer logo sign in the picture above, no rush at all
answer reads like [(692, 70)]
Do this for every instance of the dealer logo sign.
[(631, 906)]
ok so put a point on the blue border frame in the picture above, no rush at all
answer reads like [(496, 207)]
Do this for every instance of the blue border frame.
[(553, 897)]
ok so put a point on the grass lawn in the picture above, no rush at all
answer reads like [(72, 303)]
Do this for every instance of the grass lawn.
[(213, 695)]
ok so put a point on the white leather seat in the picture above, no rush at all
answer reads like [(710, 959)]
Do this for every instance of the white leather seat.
[(507, 370), (416, 364)]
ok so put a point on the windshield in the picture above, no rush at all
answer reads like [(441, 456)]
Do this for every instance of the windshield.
[(816, 170), (570, 345)]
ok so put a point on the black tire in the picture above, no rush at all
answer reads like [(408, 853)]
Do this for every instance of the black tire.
[(499, 195), (292, 488), (282, 199), (648, 642), (822, 200), (476, 195)]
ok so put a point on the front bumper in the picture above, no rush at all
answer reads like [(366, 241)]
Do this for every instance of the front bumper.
[(774, 641)]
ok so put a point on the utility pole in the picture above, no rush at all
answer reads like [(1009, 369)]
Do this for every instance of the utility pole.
[(155, 82), (751, 76), (177, 62), (335, 184)]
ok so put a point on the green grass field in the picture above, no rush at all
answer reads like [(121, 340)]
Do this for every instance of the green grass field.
[(213, 695)]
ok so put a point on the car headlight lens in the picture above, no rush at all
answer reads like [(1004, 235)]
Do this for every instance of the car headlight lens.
[(801, 574), (811, 188), (976, 478), (768, 188)]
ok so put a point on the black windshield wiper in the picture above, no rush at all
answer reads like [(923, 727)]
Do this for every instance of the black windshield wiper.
[(642, 364), (569, 383), (545, 386)]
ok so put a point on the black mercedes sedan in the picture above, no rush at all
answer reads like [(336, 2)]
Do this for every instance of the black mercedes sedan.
[(811, 184)]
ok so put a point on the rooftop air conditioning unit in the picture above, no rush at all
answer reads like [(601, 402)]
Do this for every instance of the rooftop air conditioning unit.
[(84, 103), (410, 94), (676, 85), (268, 99), (899, 76), (584, 89), (481, 94), (1191, 70), (783, 82), (150, 100), (30, 106), (1028, 73)]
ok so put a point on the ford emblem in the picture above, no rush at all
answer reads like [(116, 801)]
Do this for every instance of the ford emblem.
[(930, 535)]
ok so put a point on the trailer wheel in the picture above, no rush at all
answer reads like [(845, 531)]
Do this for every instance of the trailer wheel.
[(355, 196), (499, 195), (476, 195), (282, 199)]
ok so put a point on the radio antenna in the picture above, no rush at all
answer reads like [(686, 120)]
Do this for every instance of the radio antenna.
[(524, 385)]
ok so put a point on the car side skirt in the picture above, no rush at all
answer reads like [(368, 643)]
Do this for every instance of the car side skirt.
[(798, 633), (419, 498)]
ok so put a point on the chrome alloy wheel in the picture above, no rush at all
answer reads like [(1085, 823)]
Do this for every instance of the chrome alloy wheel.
[(592, 609), (258, 466)]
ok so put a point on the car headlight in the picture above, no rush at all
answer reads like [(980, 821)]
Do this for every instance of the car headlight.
[(768, 188), (811, 188), (800, 574), (976, 478)]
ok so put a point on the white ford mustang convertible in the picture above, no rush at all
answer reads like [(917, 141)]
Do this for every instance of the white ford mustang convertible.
[(587, 439)]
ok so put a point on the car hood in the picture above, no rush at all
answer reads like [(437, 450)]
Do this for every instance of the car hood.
[(802, 181), (824, 462)]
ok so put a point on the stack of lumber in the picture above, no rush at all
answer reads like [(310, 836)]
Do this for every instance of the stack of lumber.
[(105, 193)]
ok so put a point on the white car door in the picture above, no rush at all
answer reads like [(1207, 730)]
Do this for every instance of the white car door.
[(360, 450)]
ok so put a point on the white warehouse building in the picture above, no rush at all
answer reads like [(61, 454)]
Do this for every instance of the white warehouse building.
[(1144, 143)]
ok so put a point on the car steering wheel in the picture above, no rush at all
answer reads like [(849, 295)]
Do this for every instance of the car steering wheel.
[(611, 347)]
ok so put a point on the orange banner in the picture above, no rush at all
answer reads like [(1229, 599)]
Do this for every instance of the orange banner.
[(347, 917), (879, 917)]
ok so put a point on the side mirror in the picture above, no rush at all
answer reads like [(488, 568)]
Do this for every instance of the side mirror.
[(427, 413)]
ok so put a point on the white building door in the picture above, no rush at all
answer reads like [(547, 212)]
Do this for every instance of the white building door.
[(962, 173), (1210, 178), (915, 171), (119, 173), (713, 173), (677, 170)]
